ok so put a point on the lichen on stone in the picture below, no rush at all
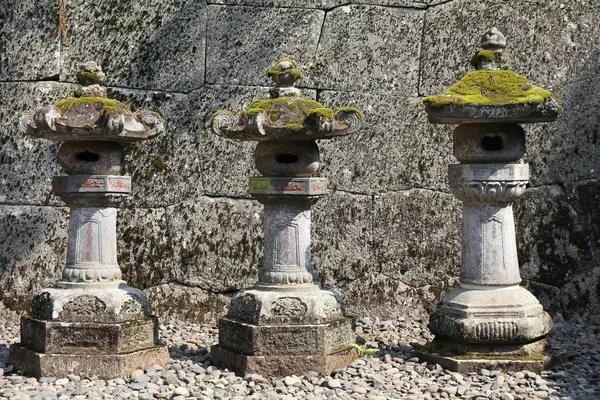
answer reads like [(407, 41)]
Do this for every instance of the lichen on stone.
[(490, 88), (109, 106)]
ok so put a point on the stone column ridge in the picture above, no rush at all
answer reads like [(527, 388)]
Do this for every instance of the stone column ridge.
[(483, 184)]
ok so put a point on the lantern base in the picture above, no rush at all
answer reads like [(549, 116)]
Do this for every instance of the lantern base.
[(464, 359), (486, 315), (105, 366), (282, 349), (282, 365), (97, 329)]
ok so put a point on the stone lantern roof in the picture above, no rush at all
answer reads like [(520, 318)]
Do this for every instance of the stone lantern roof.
[(492, 93), (91, 115), (285, 115)]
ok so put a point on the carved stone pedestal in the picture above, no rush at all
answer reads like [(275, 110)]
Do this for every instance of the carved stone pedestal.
[(287, 324), (91, 323)]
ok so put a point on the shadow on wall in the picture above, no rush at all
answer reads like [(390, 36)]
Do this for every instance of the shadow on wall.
[(172, 58), (32, 239), (558, 231)]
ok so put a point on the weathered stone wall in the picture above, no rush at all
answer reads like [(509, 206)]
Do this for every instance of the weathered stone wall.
[(388, 236)]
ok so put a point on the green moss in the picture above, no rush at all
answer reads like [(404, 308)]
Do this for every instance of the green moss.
[(349, 110), (251, 112), (323, 112), (505, 58), (88, 127), (212, 120), (109, 106), (470, 355), (276, 70), (490, 87), (91, 76), (282, 104), (292, 127), (290, 111), (79, 93), (484, 55), (158, 163)]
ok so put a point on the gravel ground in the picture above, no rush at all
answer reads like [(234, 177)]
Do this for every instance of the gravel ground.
[(390, 373)]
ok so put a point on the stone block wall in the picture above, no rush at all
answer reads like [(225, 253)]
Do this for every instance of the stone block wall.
[(388, 236)]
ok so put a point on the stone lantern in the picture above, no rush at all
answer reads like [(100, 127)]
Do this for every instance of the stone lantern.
[(286, 324), (489, 314), (91, 323)]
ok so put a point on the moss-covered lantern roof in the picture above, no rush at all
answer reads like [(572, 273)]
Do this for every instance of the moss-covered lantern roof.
[(91, 115), (285, 115), (492, 93)]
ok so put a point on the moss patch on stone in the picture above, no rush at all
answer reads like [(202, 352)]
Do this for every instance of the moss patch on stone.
[(218, 112), (349, 110), (289, 111), (91, 76), (324, 113), (159, 163), (471, 355), (276, 70), (292, 127), (490, 88), (109, 106)]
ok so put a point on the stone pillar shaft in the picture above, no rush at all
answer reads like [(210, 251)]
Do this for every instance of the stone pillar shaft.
[(489, 250), (491, 259), (92, 245), (286, 245)]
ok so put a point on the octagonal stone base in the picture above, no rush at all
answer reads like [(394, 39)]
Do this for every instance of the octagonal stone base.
[(505, 316), (467, 358), (98, 329), (281, 340), (283, 330), (104, 366), (88, 338), (283, 365)]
